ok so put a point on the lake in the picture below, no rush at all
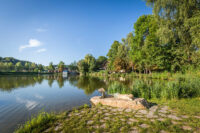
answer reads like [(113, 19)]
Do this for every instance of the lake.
[(24, 96)]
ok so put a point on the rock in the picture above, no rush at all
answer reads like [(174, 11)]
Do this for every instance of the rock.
[(102, 91), (144, 126), (174, 117), (186, 128), (153, 108), (122, 79), (185, 116), (124, 96), (198, 117), (161, 119), (138, 103), (128, 110), (142, 112), (90, 122), (163, 131)]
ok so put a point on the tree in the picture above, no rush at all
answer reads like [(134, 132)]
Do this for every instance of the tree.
[(112, 54), (40, 67), (73, 66), (83, 67), (27, 66), (91, 62), (18, 66), (61, 66), (100, 62), (179, 29), (51, 67), (145, 50), (121, 61)]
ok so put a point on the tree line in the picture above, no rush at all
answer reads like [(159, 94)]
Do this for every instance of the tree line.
[(9, 64), (168, 40)]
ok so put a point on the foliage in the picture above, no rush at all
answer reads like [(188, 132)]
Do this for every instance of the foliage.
[(37, 124), (73, 66), (88, 64), (101, 62), (51, 67), (61, 66)]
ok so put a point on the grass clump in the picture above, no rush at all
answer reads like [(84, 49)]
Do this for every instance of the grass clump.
[(37, 124)]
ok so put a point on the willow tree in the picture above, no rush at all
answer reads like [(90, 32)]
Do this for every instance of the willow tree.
[(179, 29)]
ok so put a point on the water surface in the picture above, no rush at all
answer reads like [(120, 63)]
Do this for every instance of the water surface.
[(23, 96)]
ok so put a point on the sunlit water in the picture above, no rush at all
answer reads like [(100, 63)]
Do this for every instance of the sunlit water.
[(24, 96)]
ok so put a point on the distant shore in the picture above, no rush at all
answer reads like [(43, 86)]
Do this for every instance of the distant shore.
[(21, 73)]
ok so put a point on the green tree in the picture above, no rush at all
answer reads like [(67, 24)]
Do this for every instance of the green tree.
[(51, 67), (40, 67), (100, 62), (91, 62), (179, 30), (145, 50), (83, 67), (18, 66), (61, 66), (112, 54), (73, 66), (121, 61)]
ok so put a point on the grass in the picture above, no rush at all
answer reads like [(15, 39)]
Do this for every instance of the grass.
[(108, 119), (37, 124)]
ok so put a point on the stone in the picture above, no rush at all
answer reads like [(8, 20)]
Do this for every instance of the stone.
[(198, 117), (144, 126), (163, 131), (102, 91), (153, 108), (58, 127), (174, 122), (124, 96), (90, 122), (174, 117), (128, 110), (106, 118), (138, 103), (185, 116), (139, 116), (103, 126), (142, 112), (107, 114), (161, 119), (186, 128), (132, 120), (134, 131), (163, 115)]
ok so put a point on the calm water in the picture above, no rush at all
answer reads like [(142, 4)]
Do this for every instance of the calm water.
[(23, 96)]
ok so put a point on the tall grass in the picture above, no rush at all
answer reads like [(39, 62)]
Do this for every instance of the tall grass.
[(159, 89), (181, 88), (117, 87), (37, 124)]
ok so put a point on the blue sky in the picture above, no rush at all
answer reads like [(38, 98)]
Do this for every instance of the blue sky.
[(53, 30)]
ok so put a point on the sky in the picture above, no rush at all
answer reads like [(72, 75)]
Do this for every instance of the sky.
[(42, 31)]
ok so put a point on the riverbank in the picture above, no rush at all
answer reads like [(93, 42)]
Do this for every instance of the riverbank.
[(167, 116), (22, 73), (154, 75)]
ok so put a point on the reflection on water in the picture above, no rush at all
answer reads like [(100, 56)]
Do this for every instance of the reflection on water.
[(88, 84), (23, 96)]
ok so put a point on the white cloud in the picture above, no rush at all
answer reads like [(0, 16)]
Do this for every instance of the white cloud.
[(32, 43), (30, 104), (39, 96), (41, 30), (41, 50)]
